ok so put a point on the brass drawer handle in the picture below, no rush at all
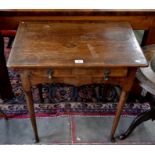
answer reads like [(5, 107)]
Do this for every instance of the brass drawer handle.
[(50, 73), (106, 73)]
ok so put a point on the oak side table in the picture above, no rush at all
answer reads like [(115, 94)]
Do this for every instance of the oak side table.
[(76, 53)]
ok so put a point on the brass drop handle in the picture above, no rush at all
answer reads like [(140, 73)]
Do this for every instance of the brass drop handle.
[(106, 73), (50, 73)]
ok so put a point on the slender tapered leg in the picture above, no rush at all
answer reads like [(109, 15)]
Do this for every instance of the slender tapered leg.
[(29, 99), (118, 113)]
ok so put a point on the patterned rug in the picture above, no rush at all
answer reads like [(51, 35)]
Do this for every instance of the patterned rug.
[(64, 99)]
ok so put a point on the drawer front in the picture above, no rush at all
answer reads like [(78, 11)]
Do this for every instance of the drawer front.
[(80, 72)]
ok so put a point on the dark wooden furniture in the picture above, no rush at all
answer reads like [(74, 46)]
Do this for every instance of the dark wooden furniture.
[(5, 85), (139, 20), (76, 53)]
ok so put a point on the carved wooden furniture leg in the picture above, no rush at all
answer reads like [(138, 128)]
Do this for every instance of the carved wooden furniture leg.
[(120, 106), (145, 116), (29, 99), (137, 121)]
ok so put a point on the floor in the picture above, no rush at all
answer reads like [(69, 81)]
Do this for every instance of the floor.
[(74, 130)]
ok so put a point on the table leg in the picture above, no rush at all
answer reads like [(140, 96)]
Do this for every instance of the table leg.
[(148, 38), (29, 100), (118, 113)]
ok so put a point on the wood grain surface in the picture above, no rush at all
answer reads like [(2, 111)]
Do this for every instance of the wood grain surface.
[(52, 44)]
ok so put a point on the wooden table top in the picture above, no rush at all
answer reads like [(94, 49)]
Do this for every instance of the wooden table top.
[(51, 44)]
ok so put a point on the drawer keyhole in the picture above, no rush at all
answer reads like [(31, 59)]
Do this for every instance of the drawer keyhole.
[(50, 73), (106, 74)]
